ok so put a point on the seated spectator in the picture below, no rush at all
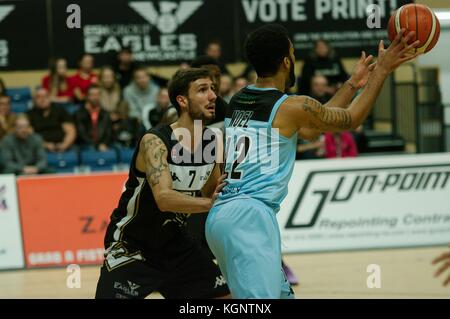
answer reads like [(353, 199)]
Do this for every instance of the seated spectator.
[(322, 60), (93, 122), (226, 87), (2, 87), (320, 89), (7, 118), (239, 84), (57, 83), (84, 77), (125, 67), (339, 144), (23, 151), (126, 130), (214, 50), (361, 140), (52, 123), (309, 150), (163, 113), (140, 92), (110, 93)]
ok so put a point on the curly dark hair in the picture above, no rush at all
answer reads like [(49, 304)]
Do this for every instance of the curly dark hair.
[(266, 47)]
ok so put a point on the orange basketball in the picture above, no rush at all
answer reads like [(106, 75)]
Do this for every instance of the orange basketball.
[(418, 18)]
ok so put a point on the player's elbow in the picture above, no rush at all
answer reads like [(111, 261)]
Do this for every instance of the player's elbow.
[(162, 201)]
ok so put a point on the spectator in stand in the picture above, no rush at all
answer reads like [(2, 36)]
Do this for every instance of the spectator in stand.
[(309, 150), (163, 114), (52, 123), (339, 145), (320, 89), (226, 87), (125, 67), (126, 130), (214, 50), (324, 61), (93, 122), (361, 139), (7, 118), (58, 83), (2, 87), (110, 93), (140, 92), (239, 84), (23, 151), (84, 77)]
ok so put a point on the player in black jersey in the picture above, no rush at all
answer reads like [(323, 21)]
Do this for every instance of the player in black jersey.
[(147, 246)]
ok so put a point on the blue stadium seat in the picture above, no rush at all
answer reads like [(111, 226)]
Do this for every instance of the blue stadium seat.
[(19, 106), (65, 162), (19, 94), (99, 161), (71, 108), (125, 155)]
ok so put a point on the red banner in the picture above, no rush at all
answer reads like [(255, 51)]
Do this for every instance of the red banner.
[(64, 218)]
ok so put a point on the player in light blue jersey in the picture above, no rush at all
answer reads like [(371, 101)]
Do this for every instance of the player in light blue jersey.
[(262, 124)]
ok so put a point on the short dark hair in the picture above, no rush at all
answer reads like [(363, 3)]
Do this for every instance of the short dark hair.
[(266, 47), (181, 82), (203, 60)]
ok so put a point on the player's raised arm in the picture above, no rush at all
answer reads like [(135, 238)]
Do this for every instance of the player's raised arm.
[(153, 152), (308, 112)]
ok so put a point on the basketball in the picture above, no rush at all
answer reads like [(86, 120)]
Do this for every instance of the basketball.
[(420, 19)]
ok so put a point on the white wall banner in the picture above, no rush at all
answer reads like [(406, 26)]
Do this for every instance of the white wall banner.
[(11, 250), (372, 202)]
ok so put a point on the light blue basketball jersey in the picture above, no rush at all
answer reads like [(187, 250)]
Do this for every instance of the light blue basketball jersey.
[(258, 160)]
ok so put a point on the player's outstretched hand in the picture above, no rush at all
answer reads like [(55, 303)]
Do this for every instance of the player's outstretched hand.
[(444, 260), (362, 71), (220, 184), (397, 53)]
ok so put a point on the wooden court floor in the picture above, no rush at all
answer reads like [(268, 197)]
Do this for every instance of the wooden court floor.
[(405, 273)]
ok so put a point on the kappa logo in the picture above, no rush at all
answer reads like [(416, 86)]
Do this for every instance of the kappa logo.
[(4, 11), (220, 281), (171, 15)]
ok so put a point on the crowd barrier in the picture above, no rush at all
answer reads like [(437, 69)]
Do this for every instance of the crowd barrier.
[(363, 203)]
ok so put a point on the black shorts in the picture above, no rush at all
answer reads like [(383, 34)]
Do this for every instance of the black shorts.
[(191, 275)]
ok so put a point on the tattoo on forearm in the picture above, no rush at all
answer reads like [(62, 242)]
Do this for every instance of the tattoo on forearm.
[(154, 152), (335, 117)]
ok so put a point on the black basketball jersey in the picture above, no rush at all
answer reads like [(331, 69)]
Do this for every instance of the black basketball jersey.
[(252, 103), (138, 229)]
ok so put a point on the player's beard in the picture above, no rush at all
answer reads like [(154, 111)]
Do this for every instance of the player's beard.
[(291, 80), (197, 114)]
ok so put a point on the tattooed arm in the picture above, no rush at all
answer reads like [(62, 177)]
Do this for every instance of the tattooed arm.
[(304, 112), (152, 159)]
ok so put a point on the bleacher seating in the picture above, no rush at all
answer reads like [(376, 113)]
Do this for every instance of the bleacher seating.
[(65, 162), (95, 160), (71, 108), (125, 155), (19, 94), (19, 106), (20, 99)]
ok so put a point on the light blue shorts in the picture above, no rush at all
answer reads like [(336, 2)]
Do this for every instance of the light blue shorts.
[(244, 236)]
